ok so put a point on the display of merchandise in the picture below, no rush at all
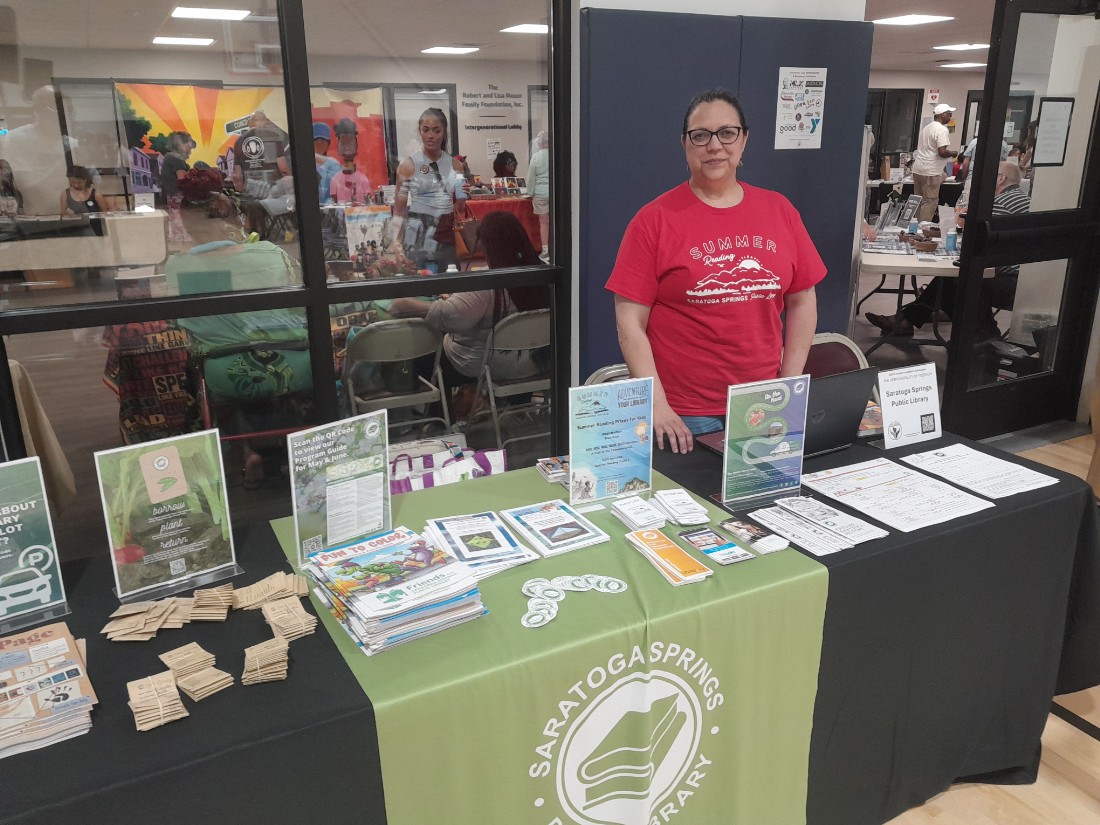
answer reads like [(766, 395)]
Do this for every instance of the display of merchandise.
[(480, 540), (671, 560), (141, 621), (553, 527), (155, 701), (45, 693), (183, 661), (638, 514), (288, 618), (679, 507), (545, 594), (554, 468), (394, 587), (707, 541), (274, 587), (266, 662), (204, 683)]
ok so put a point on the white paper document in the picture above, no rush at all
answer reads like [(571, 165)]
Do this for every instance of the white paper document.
[(977, 471), (895, 495)]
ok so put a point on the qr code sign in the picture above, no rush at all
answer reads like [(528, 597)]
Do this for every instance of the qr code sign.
[(928, 423), (313, 545), (611, 487), (177, 567)]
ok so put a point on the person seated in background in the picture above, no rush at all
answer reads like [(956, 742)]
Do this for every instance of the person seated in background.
[(81, 198), (350, 186), (11, 199), (327, 166), (997, 292), (467, 318), (504, 165)]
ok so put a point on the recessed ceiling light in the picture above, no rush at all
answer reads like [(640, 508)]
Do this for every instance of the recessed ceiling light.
[(183, 41), (911, 20), (432, 91), (961, 65), (450, 50), (192, 13), (962, 47), (528, 28)]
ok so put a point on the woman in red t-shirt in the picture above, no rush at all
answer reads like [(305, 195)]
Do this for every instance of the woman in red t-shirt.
[(704, 277)]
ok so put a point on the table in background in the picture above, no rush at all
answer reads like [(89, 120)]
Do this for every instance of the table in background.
[(520, 207), (943, 647), (884, 265), (128, 239)]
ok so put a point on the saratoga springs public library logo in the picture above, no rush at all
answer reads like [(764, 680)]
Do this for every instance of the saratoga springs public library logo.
[(624, 745)]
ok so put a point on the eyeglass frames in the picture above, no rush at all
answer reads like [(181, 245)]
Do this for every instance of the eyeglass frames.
[(726, 135)]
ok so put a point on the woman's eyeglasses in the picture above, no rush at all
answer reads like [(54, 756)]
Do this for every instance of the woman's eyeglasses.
[(725, 135)]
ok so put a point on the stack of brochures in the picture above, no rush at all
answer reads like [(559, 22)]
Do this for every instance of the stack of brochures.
[(554, 468), (679, 507), (815, 526), (46, 696), (480, 540), (671, 560), (393, 587), (553, 527), (638, 514)]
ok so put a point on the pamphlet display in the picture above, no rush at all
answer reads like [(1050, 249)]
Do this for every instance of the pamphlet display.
[(481, 540), (31, 589), (765, 423), (340, 482), (910, 402), (167, 516), (610, 444), (553, 527)]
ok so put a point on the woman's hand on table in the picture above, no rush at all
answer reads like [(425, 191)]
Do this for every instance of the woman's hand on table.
[(667, 422)]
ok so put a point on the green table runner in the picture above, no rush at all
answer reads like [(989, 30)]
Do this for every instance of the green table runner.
[(689, 704)]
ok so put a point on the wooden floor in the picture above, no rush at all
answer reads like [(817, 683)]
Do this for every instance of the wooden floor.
[(1068, 789)]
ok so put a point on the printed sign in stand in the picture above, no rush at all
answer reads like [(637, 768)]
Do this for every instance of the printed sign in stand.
[(167, 515), (910, 401), (765, 426), (31, 589), (340, 482), (610, 439)]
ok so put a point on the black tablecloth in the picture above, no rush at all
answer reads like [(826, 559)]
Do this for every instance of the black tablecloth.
[(298, 751), (943, 647)]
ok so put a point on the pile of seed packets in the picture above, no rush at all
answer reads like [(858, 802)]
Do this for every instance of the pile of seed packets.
[(183, 661), (141, 621), (155, 701), (679, 507), (289, 619), (274, 587), (204, 683), (638, 514), (212, 605), (266, 662), (544, 595)]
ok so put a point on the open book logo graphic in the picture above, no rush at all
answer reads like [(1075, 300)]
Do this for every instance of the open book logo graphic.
[(629, 749)]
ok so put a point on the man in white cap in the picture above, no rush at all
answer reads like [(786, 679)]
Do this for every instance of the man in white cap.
[(928, 159)]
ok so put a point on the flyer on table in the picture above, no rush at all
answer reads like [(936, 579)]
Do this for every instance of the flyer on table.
[(340, 482), (30, 574), (166, 511), (910, 402), (765, 423), (610, 439)]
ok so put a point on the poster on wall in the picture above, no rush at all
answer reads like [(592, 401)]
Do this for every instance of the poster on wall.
[(31, 589), (800, 109), (167, 515), (1052, 137)]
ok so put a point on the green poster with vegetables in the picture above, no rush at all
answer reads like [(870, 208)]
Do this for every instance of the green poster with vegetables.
[(167, 514), (30, 574)]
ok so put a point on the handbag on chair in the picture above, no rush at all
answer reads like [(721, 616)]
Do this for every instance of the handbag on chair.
[(466, 231)]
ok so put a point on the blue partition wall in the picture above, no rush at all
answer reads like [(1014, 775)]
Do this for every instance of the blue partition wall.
[(638, 72)]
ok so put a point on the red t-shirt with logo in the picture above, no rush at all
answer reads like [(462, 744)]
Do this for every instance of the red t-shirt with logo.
[(715, 280)]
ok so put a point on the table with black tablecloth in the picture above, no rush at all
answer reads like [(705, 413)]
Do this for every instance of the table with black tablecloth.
[(271, 753), (942, 647)]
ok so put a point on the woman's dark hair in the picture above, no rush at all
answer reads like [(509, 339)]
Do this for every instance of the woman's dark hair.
[(710, 96), (178, 140), (432, 111), (507, 244), (81, 172), (501, 160)]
